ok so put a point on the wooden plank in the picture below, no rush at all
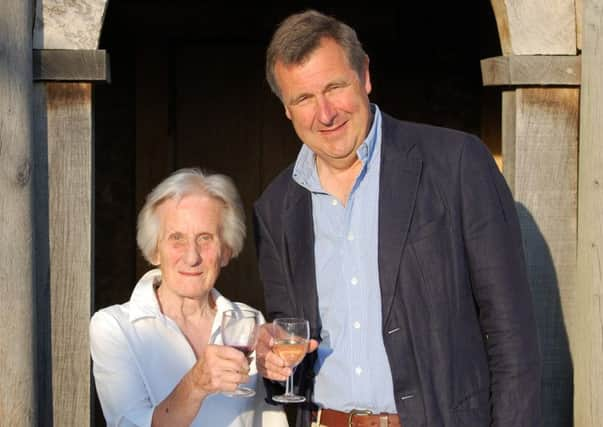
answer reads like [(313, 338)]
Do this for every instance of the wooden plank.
[(71, 65), (17, 392), (579, 22), (154, 136), (69, 118), (545, 188), (536, 27), (509, 111), (531, 70), (42, 260), (63, 24), (588, 331)]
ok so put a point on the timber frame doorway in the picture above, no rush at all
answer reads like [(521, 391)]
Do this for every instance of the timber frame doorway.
[(145, 125)]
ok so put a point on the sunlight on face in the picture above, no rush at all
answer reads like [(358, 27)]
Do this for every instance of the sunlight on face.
[(190, 252), (327, 103)]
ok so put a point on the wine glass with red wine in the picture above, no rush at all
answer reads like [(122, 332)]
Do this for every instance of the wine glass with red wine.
[(291, 337), (239, 330)]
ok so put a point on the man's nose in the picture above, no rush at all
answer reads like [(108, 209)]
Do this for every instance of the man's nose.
[(326, 111)]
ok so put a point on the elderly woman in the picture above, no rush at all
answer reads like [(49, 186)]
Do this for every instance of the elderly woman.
[(158, 359)]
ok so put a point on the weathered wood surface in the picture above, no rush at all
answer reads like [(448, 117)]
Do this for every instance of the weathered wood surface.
[(508, 136), (154, 133), (71, 65), (536, 27), (588, 330), (579, 23), (41, 255), (62, 24), (17, 393), (531, 70), (69, 122), (540, 129)]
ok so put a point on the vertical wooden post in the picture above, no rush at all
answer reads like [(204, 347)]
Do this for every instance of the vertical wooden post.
[(540, 149), (540, 138), (66, 36), (17, 387), (69, 118), (588, 351)]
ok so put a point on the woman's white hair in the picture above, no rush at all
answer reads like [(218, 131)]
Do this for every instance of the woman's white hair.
[(185, 182)]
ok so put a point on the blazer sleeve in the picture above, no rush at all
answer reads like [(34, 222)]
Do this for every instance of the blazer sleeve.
[(500, 286), (273, 280)]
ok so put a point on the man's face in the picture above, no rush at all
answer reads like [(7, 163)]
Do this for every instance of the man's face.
[(190, 252), (327, 103)]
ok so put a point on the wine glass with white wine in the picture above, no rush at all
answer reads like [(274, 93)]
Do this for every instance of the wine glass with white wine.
[(291, 337)]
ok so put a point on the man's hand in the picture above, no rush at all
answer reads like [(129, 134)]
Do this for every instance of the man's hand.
[(269, 364)]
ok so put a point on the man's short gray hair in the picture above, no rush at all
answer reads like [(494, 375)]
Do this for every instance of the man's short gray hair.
[(185, 182), (300, 34)]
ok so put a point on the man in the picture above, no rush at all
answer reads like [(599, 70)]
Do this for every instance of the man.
[(400, 244)]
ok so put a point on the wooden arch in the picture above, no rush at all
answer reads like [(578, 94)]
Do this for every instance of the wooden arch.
[(545, 84)]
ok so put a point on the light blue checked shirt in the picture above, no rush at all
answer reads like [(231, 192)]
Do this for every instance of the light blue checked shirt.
[(352, 371)]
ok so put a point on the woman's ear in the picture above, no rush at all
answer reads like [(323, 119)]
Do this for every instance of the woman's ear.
[(155, 261), (226, 256)]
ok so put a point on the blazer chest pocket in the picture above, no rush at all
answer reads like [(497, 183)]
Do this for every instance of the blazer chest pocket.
[(429, 214)]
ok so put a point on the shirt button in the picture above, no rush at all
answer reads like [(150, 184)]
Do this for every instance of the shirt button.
[(350, 236), (354, 281), (334, 202), (358, 370), (357, 325)]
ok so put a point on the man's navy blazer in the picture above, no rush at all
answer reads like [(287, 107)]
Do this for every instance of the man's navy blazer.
[(458, 323)]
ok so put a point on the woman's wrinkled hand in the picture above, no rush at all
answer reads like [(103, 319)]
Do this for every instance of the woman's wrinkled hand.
[(220, 369)]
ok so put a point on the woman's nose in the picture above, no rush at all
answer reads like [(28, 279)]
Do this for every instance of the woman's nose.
[(192, 255)]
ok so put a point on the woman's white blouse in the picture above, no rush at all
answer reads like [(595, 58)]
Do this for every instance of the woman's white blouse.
[(139, 356)]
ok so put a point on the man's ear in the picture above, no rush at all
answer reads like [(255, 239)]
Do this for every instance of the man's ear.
[(367, 77), (287, 112)]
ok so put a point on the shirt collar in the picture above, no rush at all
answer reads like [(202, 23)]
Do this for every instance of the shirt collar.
[(144, 303), (304, 171)]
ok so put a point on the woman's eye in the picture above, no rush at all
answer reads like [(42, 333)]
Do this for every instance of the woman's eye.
[(177, 238), (205, 237)]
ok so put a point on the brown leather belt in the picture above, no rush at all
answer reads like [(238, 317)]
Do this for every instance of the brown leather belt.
[(355, 418)]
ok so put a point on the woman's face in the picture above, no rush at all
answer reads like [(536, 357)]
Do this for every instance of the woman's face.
[(190, 252)]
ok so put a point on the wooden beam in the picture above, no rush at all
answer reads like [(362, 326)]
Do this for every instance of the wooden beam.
[(63, 24), (69, 121), (17, 353), (536, 27), (524, 70), (71, 65), (588, 332)]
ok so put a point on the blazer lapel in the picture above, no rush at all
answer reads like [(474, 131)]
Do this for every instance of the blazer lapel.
[(299, 242), (399, 179)]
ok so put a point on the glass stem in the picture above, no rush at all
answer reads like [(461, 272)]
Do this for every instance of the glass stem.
[(289, 385)]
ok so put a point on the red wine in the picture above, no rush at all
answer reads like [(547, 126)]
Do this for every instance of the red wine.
[(247, 350)]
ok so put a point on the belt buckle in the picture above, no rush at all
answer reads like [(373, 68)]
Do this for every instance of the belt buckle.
[(359, 412)]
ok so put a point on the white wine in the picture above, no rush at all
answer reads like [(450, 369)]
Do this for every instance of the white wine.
[(291, 350)]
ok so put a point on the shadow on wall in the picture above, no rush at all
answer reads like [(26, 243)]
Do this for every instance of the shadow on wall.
[(557, 378)]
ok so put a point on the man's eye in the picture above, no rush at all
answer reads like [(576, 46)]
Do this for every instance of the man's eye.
[(300, 100), (176, 237)]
